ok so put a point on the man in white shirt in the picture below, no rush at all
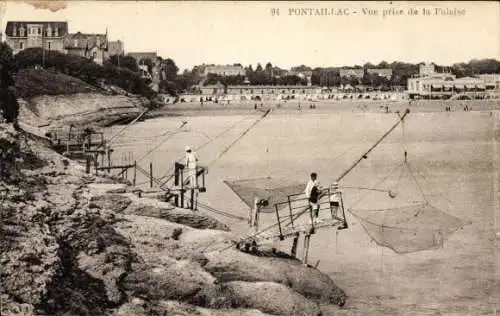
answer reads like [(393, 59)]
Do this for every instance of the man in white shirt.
[(191, 162), (334, 199), (312, 192)]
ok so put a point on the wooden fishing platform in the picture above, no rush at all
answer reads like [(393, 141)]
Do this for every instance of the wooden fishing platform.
[(298, 206), (260, 238)]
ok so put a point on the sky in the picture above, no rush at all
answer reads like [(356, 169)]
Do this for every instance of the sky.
[(192, 33)]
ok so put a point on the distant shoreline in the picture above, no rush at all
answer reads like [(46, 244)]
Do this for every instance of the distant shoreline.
[(321, 107)]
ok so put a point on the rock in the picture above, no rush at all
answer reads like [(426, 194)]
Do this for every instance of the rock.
[(103, 186), (233, 265), (28, 255), (176, 233), (268, 297), (114, 202), (94, 254), (180, 216), (139, 307), (116, 191), (179, 280)]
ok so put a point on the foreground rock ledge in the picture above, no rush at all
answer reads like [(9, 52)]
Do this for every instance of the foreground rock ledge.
[(74, 244)]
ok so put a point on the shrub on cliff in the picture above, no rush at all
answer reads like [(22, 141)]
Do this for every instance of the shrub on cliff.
[(8, 101), (84, 69)]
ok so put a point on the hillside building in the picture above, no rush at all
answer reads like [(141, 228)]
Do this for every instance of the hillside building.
[(223, 70), (357, 73), (427, 69), (55, 36), (115, 48), (156, 70), (382, 72), (50, 35), (91, 46)]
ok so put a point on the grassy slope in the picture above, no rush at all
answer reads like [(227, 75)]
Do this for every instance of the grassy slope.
[(34, 82)]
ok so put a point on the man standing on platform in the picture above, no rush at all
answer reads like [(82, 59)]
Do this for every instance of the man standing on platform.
[(313, 192), (191, 162)]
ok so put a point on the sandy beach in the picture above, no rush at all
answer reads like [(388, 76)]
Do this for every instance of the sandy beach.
[(453, 153)]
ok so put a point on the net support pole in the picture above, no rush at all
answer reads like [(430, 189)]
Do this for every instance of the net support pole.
[(150, 174), (181, 171), (108, 151), (293, 252), (177, 168), (87, 165), (254, 216), (365, 155), (192, 199), (135, 172), (307, 240)]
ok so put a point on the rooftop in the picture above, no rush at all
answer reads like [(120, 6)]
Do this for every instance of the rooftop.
[(62, 27), (85, 41)]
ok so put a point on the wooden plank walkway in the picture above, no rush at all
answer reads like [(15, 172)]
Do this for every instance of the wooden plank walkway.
[(290, 231)]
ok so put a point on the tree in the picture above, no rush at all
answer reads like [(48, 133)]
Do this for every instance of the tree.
[(367, 79), (301, 68), (128, 62), (249, 71), (368, 66), (148, 62), (8, 99), (383, 64), (170, 69), (401, 72), (269, 69), (259, 68)]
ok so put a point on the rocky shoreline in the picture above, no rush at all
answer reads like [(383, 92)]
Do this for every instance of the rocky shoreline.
[(80, 244)]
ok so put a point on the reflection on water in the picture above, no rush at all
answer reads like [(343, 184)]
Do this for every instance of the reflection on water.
[(454, 160)]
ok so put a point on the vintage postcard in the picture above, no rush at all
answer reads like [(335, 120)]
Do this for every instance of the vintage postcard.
[(249, 158)]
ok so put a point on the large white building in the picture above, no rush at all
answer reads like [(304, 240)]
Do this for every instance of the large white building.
[(430, 84)]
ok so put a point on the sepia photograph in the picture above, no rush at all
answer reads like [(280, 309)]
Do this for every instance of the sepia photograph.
[(249, 158)]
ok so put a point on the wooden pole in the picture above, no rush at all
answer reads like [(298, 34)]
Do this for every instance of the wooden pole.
[(182, 187), (135, 172), (251, 211), (294, 245), (95, 165), (307, 239), (176, 182), (87, 166), (256, 219), (150, 174), (192, 199), (109, 158)]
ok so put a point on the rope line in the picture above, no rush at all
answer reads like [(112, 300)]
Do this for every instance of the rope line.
[(161, 143), (169, 174), (239, 137), (376, 185), (214, 210), (416, 182), (125, 127)]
